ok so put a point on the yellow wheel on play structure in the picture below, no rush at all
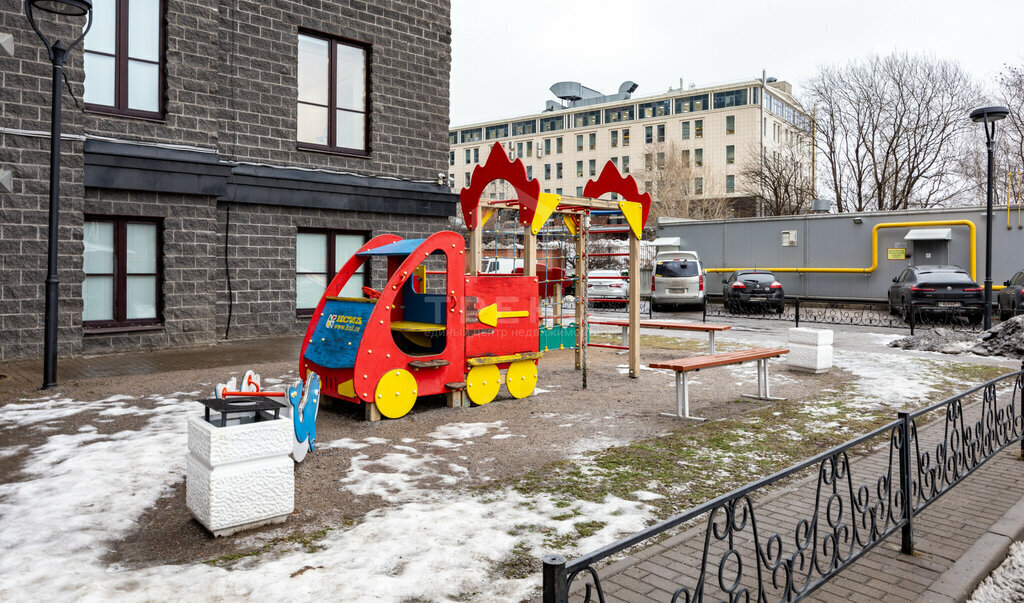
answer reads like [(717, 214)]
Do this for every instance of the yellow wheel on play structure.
[(483, 383), (521, 378), (395, 393)]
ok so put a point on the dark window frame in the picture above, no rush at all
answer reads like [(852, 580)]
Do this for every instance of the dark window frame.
[(332, 96), (552, 124), (120, 275), (332, 270), (121, 60)]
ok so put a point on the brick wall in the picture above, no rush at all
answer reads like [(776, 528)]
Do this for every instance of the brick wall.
[(187, 237), (410, 65), (25, 100), (261, 257), (230, 75)]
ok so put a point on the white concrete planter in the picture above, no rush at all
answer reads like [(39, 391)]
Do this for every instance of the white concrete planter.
[(810, 350), (239, 476)]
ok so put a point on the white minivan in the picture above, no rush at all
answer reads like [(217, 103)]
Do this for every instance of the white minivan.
[(678, 279)]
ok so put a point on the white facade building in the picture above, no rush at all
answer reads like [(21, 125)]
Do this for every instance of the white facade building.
[(705, 135)]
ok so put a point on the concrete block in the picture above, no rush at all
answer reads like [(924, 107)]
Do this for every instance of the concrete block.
[(810, 358), (810, 336), (239, 476)]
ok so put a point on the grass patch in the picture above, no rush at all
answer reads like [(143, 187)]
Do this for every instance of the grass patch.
[(518, 564), (307, 541), (588, 528)]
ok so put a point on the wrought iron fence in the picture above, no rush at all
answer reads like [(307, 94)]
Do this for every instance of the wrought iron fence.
[(846, 516), (850, 313)]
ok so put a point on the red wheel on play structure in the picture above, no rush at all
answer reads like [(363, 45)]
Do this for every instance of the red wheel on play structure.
[(371, 293)]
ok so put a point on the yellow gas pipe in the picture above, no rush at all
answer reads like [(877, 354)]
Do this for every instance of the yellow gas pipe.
[(874, 250)]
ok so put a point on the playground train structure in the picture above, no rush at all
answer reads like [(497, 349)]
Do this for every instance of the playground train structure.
[(456, 332)]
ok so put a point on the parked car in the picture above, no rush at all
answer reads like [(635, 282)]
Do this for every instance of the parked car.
[(607, 284), (936, 290), (753, 289), (501, 265), (1010, 300), (678, 279)]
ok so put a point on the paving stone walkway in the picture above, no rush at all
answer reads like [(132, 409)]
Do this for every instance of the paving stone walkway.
[(958, 539)]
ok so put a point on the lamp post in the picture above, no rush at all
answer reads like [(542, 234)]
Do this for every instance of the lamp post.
[(987, 116), (58, 53)]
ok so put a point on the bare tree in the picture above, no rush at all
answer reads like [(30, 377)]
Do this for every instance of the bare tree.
[(891, 131), (679, 187), (1009, 149), (667, 179), (781, 179)]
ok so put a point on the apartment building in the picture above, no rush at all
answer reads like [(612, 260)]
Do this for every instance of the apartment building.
[(220, 160), (690, 144)]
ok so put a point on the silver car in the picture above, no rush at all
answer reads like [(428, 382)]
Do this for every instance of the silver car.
[(607, 286), (678, 279)]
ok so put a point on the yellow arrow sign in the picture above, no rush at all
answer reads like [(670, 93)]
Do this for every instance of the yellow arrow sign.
[(490, 315), (634, 214)]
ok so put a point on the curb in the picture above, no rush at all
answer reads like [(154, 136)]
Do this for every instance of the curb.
[(985, 555)]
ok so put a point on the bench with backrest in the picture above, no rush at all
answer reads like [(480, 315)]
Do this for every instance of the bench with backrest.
[(662, 324), (686, 365)]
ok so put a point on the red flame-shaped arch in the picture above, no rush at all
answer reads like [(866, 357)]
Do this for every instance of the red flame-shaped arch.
[(499, 167), (611, 181)]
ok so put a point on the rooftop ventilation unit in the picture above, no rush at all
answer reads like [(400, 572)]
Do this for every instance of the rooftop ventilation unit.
[(575, 94)]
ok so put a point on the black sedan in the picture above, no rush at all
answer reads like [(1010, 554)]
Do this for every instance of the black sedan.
[(753, 289), (936, 290), (1010, 300)]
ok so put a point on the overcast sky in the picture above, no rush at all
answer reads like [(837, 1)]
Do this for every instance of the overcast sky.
[(506, 54)]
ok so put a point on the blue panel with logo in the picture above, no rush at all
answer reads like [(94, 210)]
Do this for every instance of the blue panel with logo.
[(338, 331)]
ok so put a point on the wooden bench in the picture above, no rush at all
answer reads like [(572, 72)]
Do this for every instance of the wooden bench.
[(662, 324), (685, 365)]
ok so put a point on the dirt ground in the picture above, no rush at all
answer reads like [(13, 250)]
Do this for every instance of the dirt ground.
[(561, 422)]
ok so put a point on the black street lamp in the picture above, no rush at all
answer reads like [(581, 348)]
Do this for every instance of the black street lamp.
[(58, 54), (987, 116)]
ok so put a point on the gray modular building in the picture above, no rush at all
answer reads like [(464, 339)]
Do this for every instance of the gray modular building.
[(220, 159), (851, 256)]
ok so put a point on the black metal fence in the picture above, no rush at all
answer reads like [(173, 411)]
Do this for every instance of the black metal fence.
[(848, 516), (850, 313)]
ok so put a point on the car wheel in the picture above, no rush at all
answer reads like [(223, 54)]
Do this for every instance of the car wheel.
[(655, 306), (905, 310), (976, 318), (892, 308), (780, 308), (1005, 314)]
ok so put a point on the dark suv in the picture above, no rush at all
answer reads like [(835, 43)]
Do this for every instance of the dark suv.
[(936, 290), (1011, 299), (753, 289)]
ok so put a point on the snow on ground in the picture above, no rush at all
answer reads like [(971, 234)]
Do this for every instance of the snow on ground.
[(879, 383), (1006, 583), (80, 491)]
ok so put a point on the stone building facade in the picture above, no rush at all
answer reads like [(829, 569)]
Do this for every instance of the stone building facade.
[(199, 179)]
